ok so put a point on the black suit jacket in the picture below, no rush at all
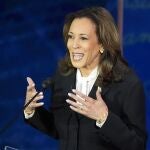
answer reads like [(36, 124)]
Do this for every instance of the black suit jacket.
[(124, 128)]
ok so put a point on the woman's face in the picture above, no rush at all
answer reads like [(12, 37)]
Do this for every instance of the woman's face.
[(83, 44)]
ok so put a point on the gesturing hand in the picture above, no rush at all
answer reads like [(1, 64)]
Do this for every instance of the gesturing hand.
[(31, 91), (94, 109)]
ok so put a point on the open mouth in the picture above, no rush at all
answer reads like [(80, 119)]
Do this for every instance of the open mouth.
[(77, 56)]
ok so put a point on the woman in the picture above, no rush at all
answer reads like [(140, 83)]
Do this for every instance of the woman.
[(97, 100)]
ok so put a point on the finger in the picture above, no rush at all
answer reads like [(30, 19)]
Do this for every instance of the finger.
[(79, 99), (79, 93), (30, 81), (75, 104), (76, 109), (40, 94), (78, 106), (31, 87), (81, 111), (38, 98), (34, 105), (82, 96), (98, 95)]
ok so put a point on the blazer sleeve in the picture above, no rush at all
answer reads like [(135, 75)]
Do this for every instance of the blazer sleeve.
[(43, 120), (128, 132)]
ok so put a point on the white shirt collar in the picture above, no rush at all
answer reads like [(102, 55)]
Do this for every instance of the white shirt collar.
[(91, 76), (85, 84)]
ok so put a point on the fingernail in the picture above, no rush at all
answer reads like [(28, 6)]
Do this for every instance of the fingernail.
[(69, 94), (42, 103), (73, 90), (71, 107), (67, 100)]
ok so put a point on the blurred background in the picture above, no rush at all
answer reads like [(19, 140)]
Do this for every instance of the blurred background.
[(31, 44)]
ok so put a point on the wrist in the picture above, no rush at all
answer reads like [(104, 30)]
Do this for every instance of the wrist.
[(29, 112), (102, 118)]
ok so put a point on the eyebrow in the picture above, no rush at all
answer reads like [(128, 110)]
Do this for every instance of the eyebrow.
[(80, 34)]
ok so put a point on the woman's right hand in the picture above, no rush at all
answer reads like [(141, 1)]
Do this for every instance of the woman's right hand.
[(31, 91)]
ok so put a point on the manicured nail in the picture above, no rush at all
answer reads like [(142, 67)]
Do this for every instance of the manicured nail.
[(73, 90), (41, 93), (67, 100), (69, 94)]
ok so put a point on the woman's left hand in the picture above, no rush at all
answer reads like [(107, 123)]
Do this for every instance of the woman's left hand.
[(94, 109)]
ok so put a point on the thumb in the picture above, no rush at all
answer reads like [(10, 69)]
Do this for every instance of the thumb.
[(98, 95), (30, 81)]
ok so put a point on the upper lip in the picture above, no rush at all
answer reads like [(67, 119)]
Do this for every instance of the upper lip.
[(76, 53)]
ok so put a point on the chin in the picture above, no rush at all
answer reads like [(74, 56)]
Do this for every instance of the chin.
[(77, 65)]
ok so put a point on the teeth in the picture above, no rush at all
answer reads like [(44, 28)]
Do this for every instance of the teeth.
[(77, 56)]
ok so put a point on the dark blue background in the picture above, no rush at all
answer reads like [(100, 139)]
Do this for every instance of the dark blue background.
[(31, 44)]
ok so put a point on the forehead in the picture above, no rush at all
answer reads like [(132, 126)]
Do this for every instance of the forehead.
[(84, 25)]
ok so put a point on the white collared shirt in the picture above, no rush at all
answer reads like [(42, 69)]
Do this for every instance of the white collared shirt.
[(85, 84)]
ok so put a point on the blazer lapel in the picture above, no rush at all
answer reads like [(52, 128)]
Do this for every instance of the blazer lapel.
[(70, 82), (104, 90)]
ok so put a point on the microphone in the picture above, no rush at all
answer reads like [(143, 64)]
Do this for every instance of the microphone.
[(45, 84)]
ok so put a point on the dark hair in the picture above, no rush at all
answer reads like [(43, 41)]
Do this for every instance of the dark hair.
[(112, 64)]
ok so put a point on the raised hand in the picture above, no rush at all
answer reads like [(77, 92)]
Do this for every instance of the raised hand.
[(94, 109), (31, 91)]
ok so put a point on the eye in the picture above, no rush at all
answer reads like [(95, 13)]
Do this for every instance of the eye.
[(84, 38), (70, 36)]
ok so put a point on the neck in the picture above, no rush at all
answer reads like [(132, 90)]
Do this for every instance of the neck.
[(86, 71)]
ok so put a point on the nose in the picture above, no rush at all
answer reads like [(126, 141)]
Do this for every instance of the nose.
[(75, 43)]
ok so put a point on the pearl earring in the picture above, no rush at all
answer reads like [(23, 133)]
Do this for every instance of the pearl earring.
[(101, 50)]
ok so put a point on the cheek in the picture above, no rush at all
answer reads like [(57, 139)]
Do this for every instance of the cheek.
[(89, 56), (69, 46), (89, 52), (92, 55)]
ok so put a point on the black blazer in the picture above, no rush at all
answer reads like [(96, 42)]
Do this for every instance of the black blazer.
[(124, 128)]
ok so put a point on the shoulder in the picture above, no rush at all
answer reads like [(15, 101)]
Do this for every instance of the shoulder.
[(131, 78), (131, 84)]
